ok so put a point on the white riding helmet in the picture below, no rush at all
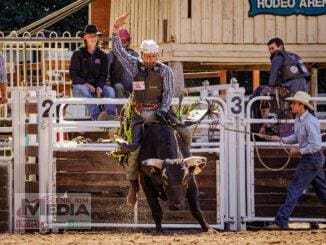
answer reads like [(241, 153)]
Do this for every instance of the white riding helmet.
[(149, 47)]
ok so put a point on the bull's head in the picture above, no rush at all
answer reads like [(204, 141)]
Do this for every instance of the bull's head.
[(175, 176)]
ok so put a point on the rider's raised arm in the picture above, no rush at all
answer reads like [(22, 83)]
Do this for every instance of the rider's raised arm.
[(129, 62)]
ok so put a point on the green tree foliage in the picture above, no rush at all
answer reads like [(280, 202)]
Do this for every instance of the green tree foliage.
[(15, 14)]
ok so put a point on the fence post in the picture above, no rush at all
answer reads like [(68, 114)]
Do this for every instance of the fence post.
[(44, 102), (236, 157), (18, 118)]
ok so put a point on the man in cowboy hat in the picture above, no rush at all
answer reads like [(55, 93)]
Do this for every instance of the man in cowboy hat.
[(89, 71), (310, 168)]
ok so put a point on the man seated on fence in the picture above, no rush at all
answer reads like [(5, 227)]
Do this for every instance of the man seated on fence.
[(89, 72), (3, 80), (121, 80), (153, 92), (287, 71), (310, 168)]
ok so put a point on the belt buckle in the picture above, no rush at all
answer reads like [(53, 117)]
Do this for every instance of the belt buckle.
[(150, 107)]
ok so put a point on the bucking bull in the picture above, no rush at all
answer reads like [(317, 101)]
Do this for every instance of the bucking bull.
[(168, 173)]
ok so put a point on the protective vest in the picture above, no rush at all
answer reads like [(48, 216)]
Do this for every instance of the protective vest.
[(293, 67), (148, 85)]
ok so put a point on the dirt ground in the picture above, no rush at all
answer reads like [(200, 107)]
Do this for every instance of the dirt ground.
[(171, 237)]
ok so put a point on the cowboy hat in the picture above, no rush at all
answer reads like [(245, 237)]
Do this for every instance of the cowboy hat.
[(91, 29), (303, 98)]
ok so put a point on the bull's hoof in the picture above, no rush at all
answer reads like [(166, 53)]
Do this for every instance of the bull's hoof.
[(206, 228), (211, 231)]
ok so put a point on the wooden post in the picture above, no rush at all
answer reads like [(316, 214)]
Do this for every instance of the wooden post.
[(99, 15), (314, 84), (223, 80), (179, 81), (255, 79)]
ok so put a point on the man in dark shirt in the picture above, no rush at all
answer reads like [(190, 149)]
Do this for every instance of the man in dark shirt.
[(119, 78), (287, 68), (89, 72)]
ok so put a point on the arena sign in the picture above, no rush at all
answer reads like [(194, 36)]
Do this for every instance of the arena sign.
[(287, 7)]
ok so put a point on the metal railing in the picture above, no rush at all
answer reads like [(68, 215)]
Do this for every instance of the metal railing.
[(250, 167), (39, 61), (58, 126)]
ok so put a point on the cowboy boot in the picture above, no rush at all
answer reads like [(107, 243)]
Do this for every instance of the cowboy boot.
[(132, 194)]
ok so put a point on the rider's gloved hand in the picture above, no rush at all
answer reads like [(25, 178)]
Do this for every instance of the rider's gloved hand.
[(160, 115)]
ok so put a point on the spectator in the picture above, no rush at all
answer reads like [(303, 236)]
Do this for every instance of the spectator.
[(265, 128), (288, 70), (265, 109), (89, 72), (121, 80)]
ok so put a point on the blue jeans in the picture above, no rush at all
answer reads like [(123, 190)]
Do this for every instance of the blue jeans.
[(309, 171), (81, 90), (121, 89)]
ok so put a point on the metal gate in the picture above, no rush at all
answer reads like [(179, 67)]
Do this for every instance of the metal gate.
[(251, 146), (235, 176), (51, 123)]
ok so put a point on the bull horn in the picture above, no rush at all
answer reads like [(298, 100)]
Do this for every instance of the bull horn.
[(153, 162), (195, 161)]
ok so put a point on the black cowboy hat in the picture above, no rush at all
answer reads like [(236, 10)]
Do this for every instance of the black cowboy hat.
[(91, 29)]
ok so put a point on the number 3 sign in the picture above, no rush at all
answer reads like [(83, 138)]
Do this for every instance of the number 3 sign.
[(235, 102)]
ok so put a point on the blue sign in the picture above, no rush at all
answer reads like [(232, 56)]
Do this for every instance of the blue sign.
[(287, 7)]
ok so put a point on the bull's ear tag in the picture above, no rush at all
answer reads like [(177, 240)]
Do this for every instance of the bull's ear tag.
[(197, 170), (196, 163)]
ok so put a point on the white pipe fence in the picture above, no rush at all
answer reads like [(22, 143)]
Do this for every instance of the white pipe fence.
[(48, 127), (235, 172)]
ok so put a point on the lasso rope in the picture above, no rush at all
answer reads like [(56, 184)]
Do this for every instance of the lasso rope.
[(210, 112), (267, 137)]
